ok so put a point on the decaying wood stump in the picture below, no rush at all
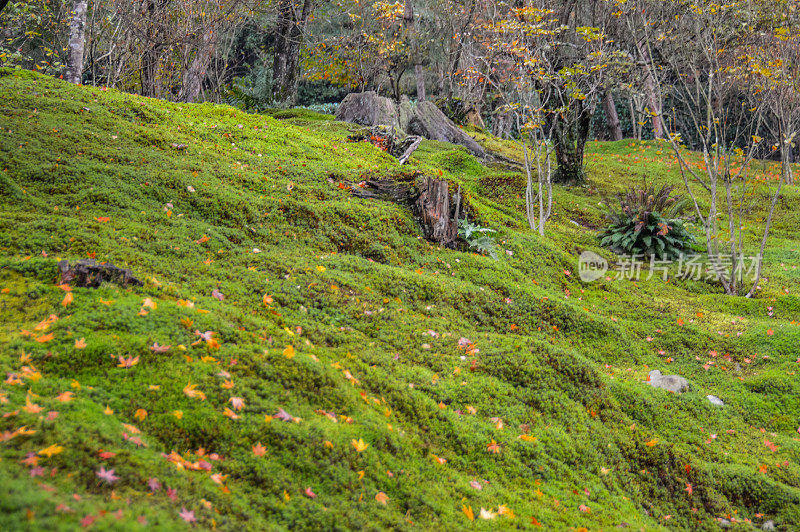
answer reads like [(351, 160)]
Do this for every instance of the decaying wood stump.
[(434, 210), (89, 273), (429, 200)]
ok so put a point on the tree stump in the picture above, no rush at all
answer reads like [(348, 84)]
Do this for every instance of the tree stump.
[(434, 211), (428, 199), (89, 273)]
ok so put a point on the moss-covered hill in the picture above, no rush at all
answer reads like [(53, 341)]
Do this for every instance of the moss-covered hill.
[(358, 377)]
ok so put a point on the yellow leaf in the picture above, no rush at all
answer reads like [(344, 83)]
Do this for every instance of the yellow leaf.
[(289, 351), (360, 475), (67, 299), (381, 497), (140, 414), (652, 442), (108, 411), (505, 510), (149, 303), (320, 269), (50, 451), (468, 512), (178, 414), (267, 300), (80, 344), (359, 445)]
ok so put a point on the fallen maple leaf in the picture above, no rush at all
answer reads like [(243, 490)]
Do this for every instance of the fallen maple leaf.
[(382, 498), (237, 403), (289, 351), (102, 219), (486, 514), (505, 510), (468, 512), (128, 362), (187, 516), (140, 414), (30, 407), (493, 447), (107, 476), (259, 450), (51, 450), (310, 493), (216, 294), (65, 397), (189, 391), (267, 300), (67, 299), (359, 445), (159, 348), (80, 344)]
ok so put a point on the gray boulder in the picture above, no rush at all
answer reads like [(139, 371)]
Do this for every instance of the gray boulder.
[(671, 383), (423, 119), (714, 400)]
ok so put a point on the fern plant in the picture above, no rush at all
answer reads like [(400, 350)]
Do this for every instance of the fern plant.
[(647, 222), (478, 238)]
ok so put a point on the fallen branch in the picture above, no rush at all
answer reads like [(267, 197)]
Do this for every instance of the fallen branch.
[(411, 149)]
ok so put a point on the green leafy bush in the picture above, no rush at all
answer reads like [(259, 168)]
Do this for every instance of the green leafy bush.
[(646, 222), (477, 238)]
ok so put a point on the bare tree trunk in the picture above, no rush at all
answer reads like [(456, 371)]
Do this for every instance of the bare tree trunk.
[(288, 41), (411, 28), (420, 75), (612, 118), (196, 73), (77, 32), (653, 103)]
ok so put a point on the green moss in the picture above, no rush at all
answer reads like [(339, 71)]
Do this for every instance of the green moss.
[(204, 197)]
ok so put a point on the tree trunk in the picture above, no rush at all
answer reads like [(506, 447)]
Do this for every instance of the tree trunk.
[(571, 132), (420, 75), (653, 103), (196, 73), (77, 32), (612, 118), (411, 29), (288, 41)]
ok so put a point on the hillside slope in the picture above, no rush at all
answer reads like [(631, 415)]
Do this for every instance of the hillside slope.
[(358, 377)]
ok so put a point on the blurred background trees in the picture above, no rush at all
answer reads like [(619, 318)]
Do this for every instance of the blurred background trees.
[(593, 69)]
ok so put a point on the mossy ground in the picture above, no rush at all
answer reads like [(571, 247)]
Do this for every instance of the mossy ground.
[(374, 315)]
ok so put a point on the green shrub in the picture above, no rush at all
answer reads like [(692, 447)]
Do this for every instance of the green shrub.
[(477, 238), (646, 223)]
